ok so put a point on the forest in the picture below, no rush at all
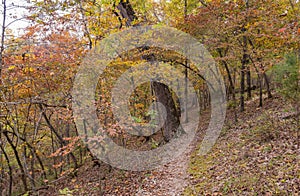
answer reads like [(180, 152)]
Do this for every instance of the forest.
[(150, 97)]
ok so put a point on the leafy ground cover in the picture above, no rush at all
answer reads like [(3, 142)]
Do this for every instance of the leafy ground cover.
[(257, 156)]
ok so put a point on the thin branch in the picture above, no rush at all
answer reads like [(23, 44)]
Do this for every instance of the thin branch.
[(14, 21), (203, 3), (2, 37)]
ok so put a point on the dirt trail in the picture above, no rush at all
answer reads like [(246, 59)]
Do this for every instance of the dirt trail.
[(171, 179)]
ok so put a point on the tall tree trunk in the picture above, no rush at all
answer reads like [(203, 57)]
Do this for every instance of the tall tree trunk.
[(161, 91), (244, 60), (243, 70), (248, 75), (260, 92), (172, 121), (242, 88), (231, 84)]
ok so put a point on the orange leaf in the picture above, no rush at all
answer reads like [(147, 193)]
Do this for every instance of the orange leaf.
[(281, 30)]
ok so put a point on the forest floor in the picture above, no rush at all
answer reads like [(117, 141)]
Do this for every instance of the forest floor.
[(259, 155)]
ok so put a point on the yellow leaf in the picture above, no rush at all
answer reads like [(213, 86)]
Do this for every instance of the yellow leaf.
[(11, 67)]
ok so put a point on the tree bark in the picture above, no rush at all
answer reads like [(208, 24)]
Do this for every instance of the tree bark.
[(260, 93), (9, 170), (231, 84), (23, 174), (161, 91), (242, 89), (127, 12), (243, 69), (172, 121), (248, 75)]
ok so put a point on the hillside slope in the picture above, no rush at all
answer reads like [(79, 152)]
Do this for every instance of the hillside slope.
[(259, 155)]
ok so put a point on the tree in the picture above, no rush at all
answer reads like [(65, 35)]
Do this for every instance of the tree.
[(161, 91), (234, 30)]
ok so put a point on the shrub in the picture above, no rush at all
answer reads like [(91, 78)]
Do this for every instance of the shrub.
[(287, 76)]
